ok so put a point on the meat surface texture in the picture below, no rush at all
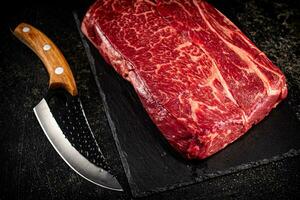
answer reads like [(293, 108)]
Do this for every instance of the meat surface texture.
[(201, 80)]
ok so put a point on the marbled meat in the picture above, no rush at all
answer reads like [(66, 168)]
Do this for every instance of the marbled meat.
[(201, 80)]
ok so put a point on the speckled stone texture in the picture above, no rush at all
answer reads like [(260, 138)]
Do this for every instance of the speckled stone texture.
[(30, 167)]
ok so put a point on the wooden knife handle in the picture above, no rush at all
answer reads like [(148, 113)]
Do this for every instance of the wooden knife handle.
[(58, 69)]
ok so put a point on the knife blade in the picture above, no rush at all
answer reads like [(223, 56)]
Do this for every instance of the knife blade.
[(61, 115)]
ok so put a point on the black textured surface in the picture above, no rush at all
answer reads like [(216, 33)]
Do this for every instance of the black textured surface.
[(31, 168), (146, 156), (69, 115)]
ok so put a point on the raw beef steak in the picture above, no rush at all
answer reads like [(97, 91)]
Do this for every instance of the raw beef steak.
[(201, 80)]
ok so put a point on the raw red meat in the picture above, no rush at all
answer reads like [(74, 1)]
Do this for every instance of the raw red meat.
[(201, 80)]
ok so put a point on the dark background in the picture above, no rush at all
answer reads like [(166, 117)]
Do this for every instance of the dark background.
[(29, 166)]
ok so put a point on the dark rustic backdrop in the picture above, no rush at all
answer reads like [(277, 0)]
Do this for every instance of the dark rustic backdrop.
[(29, 166)]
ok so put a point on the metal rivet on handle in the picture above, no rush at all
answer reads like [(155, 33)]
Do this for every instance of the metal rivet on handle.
[(46, 47), (26, 29), (59, 70)]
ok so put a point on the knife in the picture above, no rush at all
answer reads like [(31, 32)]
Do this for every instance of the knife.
[(61, 115)]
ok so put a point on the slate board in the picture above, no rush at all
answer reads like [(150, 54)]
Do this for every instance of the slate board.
[(150, 163)]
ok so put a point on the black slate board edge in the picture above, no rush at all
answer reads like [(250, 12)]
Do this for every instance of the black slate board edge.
[(102, 94), (291, 153)]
